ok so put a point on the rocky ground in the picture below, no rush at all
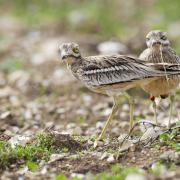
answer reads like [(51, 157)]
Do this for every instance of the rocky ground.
[(44, 107)]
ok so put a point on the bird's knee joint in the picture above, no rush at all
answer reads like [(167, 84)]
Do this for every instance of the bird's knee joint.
[(152, 98)]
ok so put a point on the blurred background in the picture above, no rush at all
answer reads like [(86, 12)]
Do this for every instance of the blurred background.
[(37, 92), (36, 89)]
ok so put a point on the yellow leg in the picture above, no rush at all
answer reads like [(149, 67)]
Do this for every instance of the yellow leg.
[(131, 110), (115, 107), (171, 109)]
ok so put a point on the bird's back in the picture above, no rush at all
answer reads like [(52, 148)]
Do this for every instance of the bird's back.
[(103, 73)]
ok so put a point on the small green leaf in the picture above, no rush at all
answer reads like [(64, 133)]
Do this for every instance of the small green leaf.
[(165, 137), (177, 147), (32, 166), (60, 177)]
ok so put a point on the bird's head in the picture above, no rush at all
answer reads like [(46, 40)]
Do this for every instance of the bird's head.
[(69, 52), (156, 38)]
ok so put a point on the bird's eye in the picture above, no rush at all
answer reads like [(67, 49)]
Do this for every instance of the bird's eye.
[(75, 50), (147, 39), (163, 37)]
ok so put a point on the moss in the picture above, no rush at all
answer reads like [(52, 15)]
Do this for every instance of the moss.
[(41, 148)]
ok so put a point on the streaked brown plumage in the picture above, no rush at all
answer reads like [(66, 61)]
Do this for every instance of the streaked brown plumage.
[(111, 75), (160, 52)]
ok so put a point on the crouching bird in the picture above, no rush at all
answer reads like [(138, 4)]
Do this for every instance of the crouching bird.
[(111, 75), (160, 55)]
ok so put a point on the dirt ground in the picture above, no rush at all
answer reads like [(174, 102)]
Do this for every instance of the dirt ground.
[(39, 94)]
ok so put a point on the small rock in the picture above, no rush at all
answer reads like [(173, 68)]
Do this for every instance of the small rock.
[(104, 155), (5, 115), (99, 125), (125, 107), (19, 140), (106, 112), (23, 171), (160, 169), (133, 159), (77, 131), (90, 142), (75, 156), (28, 114), (87, 99), (135, 177), (111, 158), (127, 144), (15, 101), (98, 144), (7, 92), (71, 125), (79, 176), (171, 156), (44, 170), (56, 157), (133, 148), (122, 137)]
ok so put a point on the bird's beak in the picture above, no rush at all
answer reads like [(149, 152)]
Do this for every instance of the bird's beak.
[(156, 43), (63, 55)]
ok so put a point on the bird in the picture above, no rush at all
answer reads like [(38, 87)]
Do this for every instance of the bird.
[(160, 55), (112, 75)]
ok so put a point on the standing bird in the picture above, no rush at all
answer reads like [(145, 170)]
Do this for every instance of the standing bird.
[(111, 75), (160, 54)]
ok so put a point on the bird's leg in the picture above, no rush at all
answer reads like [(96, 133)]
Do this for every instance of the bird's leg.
[(115, 107), (152, 98), (171, 98), (131, 110)]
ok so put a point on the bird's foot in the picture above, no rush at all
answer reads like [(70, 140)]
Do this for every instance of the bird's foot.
[(98, 141)]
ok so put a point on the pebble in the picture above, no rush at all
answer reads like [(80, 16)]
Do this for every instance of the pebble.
[(56, 157), (125, 146), (19, 140), (160, 168), (125, 107), (122, 137), (4, 115), (135, 177), (171, 156), (77, 175), (99, 125), (71, 125), (104, 155), (111, 158)]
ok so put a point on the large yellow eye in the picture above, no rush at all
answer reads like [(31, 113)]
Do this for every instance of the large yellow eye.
[(76, 50)]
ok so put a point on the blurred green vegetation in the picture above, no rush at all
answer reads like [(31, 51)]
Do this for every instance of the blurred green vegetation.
[(117, 172), (104, 16), (109, 19), (12, 64)]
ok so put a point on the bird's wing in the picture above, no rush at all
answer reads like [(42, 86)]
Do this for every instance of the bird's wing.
[(168, 67), (104, 70)]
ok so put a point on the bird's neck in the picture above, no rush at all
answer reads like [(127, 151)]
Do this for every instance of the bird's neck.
[(158, 48), (74, 63)]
